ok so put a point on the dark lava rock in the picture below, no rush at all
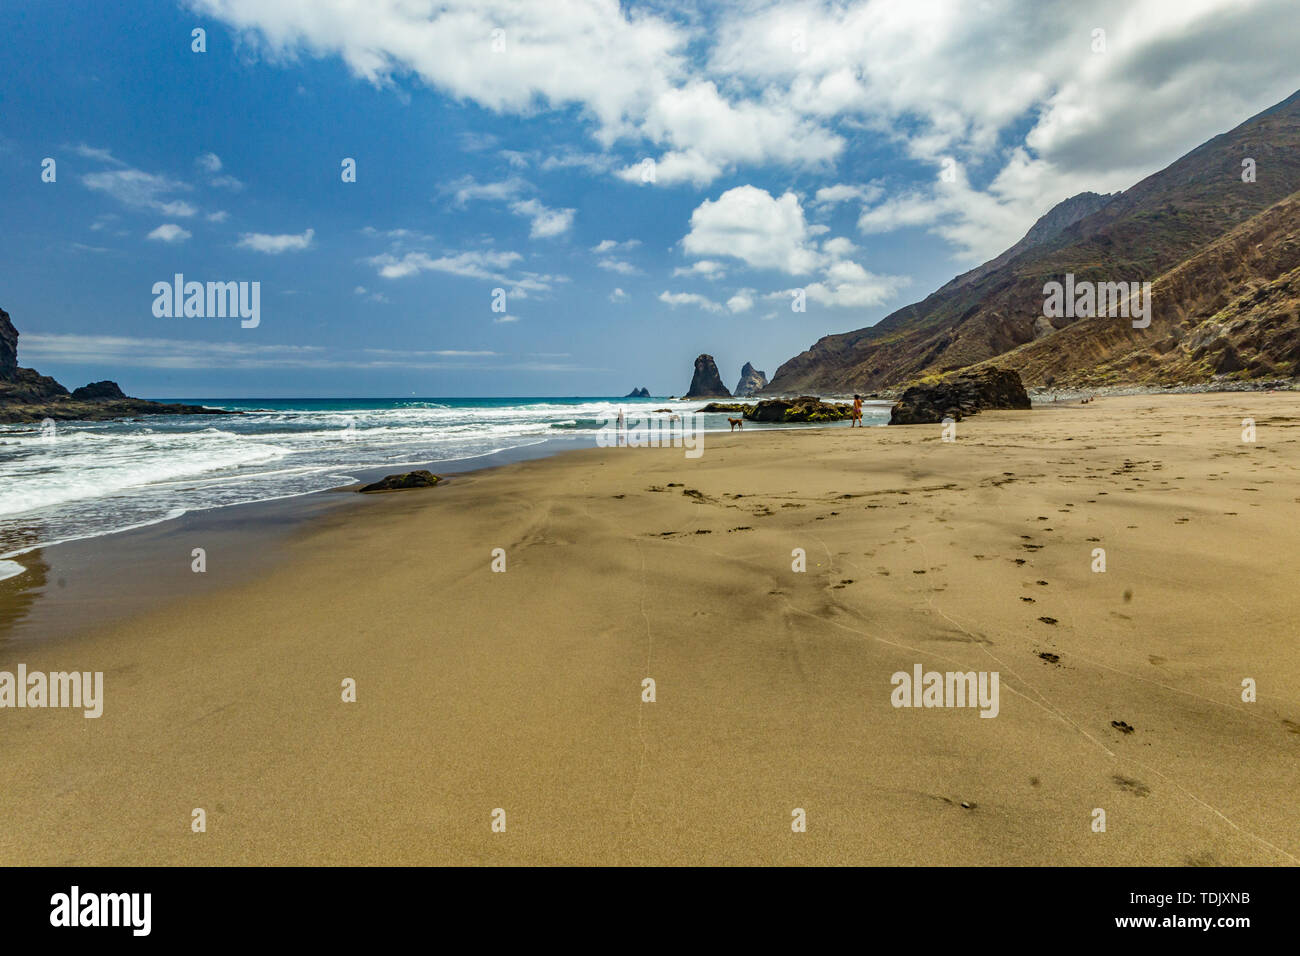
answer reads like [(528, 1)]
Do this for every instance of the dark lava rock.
[(724, 407), (706, 382), (98, 392), (959, 395), (806, 408), (8, 348), (28, 396), (410, 479), (638, 393)]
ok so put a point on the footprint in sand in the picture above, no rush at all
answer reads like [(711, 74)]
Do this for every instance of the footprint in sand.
[(1050, 657), (1122, 726), (1048, 620), (1135, 787)]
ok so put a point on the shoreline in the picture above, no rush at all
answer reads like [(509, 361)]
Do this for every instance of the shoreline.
[(31, 609), (773, 687)]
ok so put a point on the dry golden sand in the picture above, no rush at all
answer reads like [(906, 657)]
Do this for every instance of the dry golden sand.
[(522, 690)]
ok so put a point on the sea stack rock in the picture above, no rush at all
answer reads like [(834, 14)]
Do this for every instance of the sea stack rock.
[(638, 393), (751, 380), (706, 382), (8, 348)]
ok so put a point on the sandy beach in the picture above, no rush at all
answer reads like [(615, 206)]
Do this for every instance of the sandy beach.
[(522, 690)]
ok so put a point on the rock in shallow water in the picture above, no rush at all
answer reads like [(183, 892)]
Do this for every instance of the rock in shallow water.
[(409, 479), (806, 408)]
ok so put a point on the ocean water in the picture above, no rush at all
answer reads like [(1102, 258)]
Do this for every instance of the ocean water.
[(96, 478)]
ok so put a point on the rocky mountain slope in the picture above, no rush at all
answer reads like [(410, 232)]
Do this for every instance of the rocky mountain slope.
[(1231, 310), (1162, 230)]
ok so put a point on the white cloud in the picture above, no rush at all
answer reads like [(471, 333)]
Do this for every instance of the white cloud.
[(742, 301), (125, 352), (675, 299), (467, 189), (209, 163), (219, 216), (672, 168), (704, 269), (613, 245), (170, 232), (100, 155), (1010, 86), (136, 188), (611, 264), (486, 265), (546, 222), (843, 192), (618, 295), (847, 284), (747, 223), (276, 244)]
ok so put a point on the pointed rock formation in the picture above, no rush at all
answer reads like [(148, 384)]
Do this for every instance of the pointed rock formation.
[(638, 393), (751, 380), (8, 348), (706, 382)]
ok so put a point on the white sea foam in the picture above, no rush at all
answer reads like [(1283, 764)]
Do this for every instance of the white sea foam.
[(95, 478)]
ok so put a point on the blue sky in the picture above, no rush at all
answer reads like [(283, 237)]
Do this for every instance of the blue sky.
[(796, 146)]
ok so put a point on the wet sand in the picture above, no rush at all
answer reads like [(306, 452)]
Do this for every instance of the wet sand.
[(523, 690)]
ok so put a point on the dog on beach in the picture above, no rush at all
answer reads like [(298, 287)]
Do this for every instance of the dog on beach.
[(736, 423)]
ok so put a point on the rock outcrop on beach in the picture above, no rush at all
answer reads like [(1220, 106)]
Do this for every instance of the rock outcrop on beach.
[(806, 408), (725, 407), (751, 380), (408, 479), (98, 392), (706, 382), (1180, 229), (958, 396), (28, 396), (638, 393)]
